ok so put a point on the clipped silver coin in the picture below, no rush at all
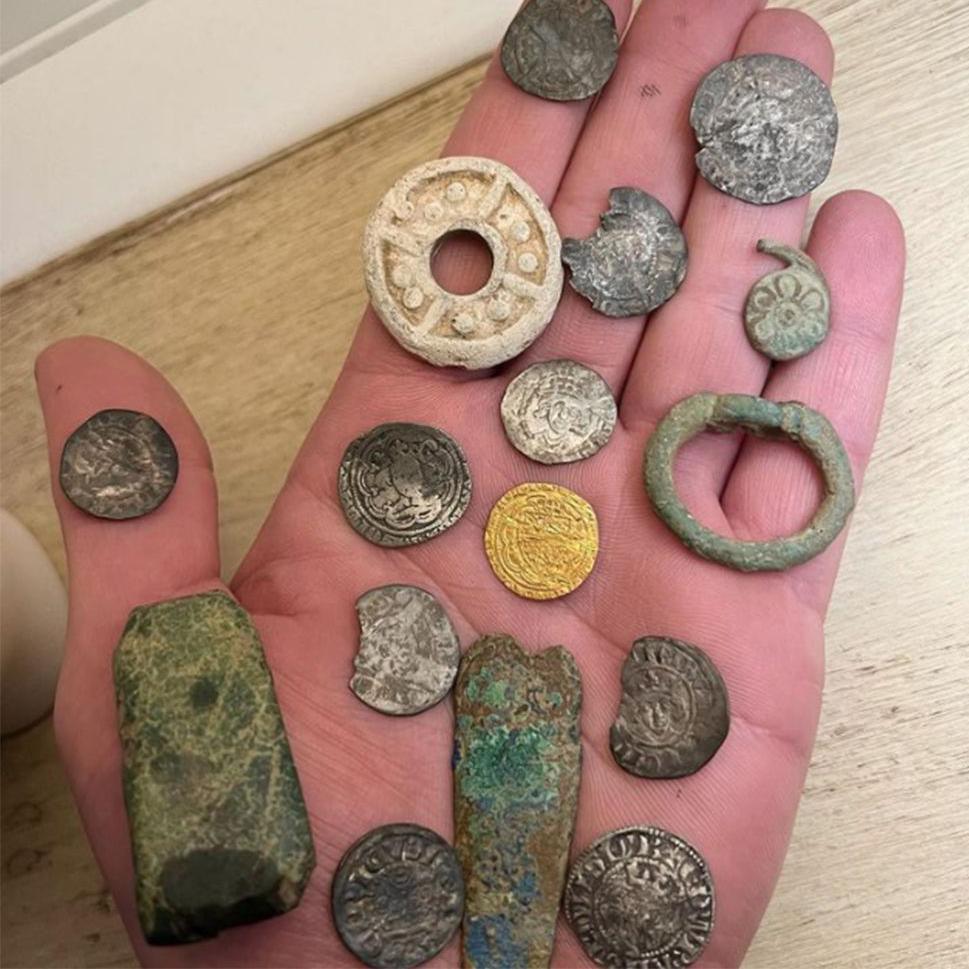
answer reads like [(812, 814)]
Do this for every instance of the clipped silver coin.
[(558, 411), (402, 484), (118, 464), (640, 898), (397, 896), (409, 651), (636, 259), (674, 712), (767, 128), (561, 50)]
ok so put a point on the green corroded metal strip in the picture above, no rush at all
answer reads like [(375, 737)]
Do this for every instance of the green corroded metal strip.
[(219, 831), (728, 412), (516, 779)]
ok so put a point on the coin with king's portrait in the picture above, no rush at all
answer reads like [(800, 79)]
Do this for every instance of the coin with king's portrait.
[(402, 484), (558, 411)]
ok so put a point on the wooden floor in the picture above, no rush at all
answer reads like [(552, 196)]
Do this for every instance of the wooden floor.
[(246, 296)]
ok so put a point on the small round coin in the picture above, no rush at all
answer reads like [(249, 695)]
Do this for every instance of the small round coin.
[(787, 311), (409, 651), (402, 484), (673, 715), (118, 464), (561, 50), (640, 898), (767, 128), (636, 259), (541, 540), (397, 896), (558, 411)]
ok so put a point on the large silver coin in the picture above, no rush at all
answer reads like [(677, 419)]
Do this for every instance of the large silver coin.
[(673, 716), (636, 259), (397, 896), (640, 898), (409, 651), (471, 330), (402, 484), (562, 50), (767, 128), (558, 411), (118, 464)]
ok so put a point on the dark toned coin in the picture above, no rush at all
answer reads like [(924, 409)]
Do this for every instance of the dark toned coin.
[(674, 713), (397, 896), (409, 651), (636, 259), (118, 464), (561, 50), (767, 128), (640, 898), (401, 484)]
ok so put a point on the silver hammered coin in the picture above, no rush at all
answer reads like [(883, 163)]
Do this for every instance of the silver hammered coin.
[(409, 651), (561, 50), (397, 896), (402, 484), (636, 259), (767, 128), (640, 898), (558, 411), (674, 714), (118, 464)]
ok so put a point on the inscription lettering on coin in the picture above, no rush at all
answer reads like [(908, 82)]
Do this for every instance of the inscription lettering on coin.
[(636, 259), (788, 310), (673, 715), (402, 484), (767, 128), (397, 896), (542, 540), (494, 323), (409, 651), (118, 464), (558, 411), (561, 50), (640, 898)]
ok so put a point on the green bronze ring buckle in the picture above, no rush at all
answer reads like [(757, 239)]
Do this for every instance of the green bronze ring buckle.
[(764, 418)]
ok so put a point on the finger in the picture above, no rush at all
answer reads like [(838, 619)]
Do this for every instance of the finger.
[(114, 566), (530, 135), (637, 135), (859, 244), (697, 341)]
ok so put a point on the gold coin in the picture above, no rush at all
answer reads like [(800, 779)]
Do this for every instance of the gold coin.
[(542, 540)]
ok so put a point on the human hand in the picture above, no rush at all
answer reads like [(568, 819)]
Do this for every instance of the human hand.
[(300, 580)]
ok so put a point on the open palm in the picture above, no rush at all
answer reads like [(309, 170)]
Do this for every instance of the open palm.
[(300, 580)]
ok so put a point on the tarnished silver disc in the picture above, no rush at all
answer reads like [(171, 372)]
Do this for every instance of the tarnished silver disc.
[(118, 464), (401, 484), (640, 898), (397, 896), (472, 330), (767, 128), (558, 411), (562, 50), (409, 651), (636, 259), (673, 715)]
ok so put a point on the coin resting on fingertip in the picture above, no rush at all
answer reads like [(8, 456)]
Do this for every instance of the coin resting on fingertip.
[(766, 126), (497, 321), (397, 896), (558, 411), (641, 897), (118, 464), (402, 484), (636, 259), (561, 50)]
